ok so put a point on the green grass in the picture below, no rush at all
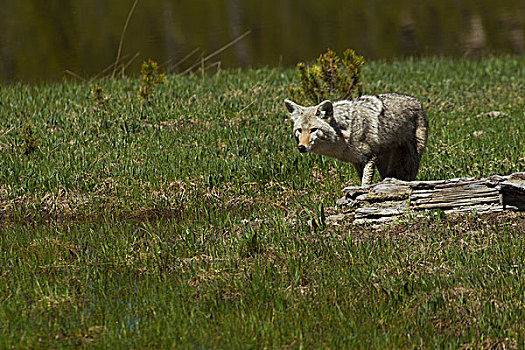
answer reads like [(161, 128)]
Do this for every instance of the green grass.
[(194, 223)]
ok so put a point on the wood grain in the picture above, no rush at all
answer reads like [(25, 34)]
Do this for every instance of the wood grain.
[(392, 198)]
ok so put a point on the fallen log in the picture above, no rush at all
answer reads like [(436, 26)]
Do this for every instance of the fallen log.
[(392, 198)]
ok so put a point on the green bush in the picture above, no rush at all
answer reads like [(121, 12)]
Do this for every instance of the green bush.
[(331, 78), (149, 77)]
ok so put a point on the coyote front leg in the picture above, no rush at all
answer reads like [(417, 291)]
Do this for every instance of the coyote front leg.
[(368, 171)]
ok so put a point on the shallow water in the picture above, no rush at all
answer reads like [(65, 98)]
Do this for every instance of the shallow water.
[(43, 40)]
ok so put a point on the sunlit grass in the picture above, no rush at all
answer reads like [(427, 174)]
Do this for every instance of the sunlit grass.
[(193, 222)]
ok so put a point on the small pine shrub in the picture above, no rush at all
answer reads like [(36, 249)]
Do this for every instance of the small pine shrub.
[(331, 78), (149, 77)]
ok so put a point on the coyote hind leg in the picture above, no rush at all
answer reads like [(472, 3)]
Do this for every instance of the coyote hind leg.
[(401, 162)]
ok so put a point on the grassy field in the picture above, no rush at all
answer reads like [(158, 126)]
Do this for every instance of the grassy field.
[(193, 222)]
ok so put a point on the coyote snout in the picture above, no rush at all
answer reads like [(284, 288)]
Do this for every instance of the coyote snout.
[(305, 139), (303, 148), (387, 131)]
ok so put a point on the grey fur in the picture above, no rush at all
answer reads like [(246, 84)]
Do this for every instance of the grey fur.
[(387, 131)]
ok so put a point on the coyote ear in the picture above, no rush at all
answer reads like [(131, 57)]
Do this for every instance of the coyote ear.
[(325, 109), (291, 106)]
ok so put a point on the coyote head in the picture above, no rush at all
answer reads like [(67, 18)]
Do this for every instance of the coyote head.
[(311, 124)]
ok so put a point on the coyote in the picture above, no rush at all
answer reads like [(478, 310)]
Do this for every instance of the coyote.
[(387, 131)]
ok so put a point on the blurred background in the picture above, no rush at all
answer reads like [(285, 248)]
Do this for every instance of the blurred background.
[(52, 39)]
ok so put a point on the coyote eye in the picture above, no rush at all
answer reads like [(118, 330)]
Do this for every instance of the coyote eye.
[(313, 129)]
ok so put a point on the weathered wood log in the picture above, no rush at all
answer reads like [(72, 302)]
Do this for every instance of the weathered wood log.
[(391, 198)]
